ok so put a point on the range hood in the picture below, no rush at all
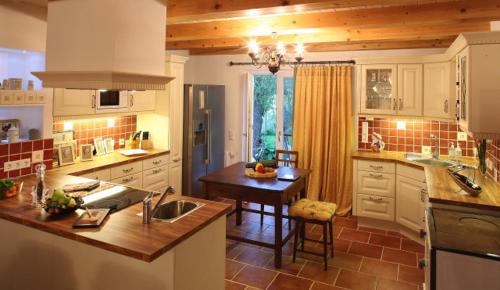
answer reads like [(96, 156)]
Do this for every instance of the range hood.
[(106, 44)]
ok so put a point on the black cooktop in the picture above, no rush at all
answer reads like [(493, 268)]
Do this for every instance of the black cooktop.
[(464, 232), (114, 197)]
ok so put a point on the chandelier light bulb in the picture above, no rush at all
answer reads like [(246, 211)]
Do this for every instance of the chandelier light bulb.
[(299, 48), (253, 47), (281, 48)]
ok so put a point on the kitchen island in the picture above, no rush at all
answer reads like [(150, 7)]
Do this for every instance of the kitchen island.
[(40, 252)]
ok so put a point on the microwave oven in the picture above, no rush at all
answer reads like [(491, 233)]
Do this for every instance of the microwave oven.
[(108, 101)]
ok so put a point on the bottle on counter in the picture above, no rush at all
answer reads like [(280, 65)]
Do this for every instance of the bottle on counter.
[(39, 189), (458, 151), (13, 134), (451, 151)]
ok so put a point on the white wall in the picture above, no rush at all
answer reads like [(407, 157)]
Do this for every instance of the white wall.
[(22, 26), (215, 70), (16, 63)]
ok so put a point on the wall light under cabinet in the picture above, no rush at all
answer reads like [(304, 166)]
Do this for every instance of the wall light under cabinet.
[(401, 125)]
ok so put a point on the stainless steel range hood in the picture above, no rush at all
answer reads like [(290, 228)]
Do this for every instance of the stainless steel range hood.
[(106, 44)]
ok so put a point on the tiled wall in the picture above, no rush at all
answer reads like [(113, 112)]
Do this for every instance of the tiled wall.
[(23, 150), (417, 134), (88, 129)]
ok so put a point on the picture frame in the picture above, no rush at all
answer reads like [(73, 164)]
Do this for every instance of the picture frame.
[(100, 146), (86, 151), (66, 154), (110, 145)]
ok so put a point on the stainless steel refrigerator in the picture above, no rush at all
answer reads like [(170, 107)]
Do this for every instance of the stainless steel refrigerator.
[(203, 144)]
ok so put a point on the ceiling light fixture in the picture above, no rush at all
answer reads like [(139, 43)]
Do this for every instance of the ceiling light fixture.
[(272, 56)]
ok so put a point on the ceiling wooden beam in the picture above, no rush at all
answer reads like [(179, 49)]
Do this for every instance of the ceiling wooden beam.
[(438, 13), (190, 11), (406, 32), (340, 46)]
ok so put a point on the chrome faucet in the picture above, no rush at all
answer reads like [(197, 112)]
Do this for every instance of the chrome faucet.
[(148, 211), (435, 152)]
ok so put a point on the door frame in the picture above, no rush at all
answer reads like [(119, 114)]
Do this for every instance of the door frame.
[(248, 119)]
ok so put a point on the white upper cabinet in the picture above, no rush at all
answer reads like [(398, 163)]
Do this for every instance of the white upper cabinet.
[(378, 89), (437, 95), (409, 97), (70, 102), (140, 101)]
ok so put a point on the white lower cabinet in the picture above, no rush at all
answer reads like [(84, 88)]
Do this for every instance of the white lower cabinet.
[(134, 180), (376, 183), (155, 179), (104, 175), (375, 207), (175, 175), (410, 197)]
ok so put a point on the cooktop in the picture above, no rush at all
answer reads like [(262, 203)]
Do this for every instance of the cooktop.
[(114, 197), (476, 234)]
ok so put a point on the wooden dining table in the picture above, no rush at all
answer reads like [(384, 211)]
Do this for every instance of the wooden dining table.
[(232, 183)]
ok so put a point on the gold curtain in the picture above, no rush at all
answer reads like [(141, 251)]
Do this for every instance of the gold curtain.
[(322, 131)]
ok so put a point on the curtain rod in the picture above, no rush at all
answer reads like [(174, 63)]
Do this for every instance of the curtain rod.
[(231, 63)]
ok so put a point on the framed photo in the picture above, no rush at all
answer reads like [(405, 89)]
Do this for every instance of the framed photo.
[(110, 145), (66, 154), (100, 146), (86, 152)]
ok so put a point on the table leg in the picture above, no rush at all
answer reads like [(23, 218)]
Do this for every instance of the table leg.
[(278, 237), (238, 212)]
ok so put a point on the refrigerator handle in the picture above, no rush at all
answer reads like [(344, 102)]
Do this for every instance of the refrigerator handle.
[(208, 131)]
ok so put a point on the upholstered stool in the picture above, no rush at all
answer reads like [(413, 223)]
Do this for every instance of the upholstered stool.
[(315, 212)]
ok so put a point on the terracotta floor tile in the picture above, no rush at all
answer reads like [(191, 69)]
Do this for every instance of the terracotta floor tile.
[(232, 267), (234, 286), (321, 286), (346, 261), (341, 245), (412, 246), (371, 251), (379, 268), (254, 257), (372, 230), (287, 282), (386, 241), (354, 235), (386, 284), (355, 280), (315, 271), (287, 265), (399, 256), (345, 222), (411, 275), (254, 276), (234, 249), (336, 231)]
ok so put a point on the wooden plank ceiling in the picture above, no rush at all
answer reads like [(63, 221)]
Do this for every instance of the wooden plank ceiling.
[(226, 26)]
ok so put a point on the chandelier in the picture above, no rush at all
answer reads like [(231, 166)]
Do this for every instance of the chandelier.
[(272, 56)]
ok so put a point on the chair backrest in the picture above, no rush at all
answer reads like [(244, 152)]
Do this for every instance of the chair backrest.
[(288, 158)]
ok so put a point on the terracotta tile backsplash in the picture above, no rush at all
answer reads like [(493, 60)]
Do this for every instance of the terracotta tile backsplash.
[(24, 150), (88, 129), (417, 134)]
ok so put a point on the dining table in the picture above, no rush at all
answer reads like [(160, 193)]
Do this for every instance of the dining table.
[(232, 183)]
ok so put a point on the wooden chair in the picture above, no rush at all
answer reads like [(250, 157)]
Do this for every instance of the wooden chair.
[(316, 212), (287, 158)]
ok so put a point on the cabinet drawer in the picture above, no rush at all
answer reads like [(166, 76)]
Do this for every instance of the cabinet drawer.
[(375, 207), (134, 180), (154, 177), (19, 98), (387, 167), (411, 172), (127, 169), (374, 183), (155, 162), (7, 98), (104, 174)]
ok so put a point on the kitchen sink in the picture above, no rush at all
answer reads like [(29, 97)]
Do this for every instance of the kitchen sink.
[(428, 160), (176, 209)]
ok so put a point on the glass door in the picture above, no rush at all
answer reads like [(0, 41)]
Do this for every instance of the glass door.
[(270, 114), (378, 89)]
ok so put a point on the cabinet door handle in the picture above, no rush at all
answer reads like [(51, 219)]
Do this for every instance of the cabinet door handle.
[(131, 100), (125, 180), (127, 170), (176, 159), (400, 104), (377, 167), (156, 162), (376, 175), (375, 199), (422, 233), (423, 193), (446, 106), (421, 264), (94, 101), (394, 106)]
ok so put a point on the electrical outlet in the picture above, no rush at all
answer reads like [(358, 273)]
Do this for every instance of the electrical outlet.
[(121, 142), (37, 156), (24, 163), (11, 165), (426, 150), (489, 164), (461, 136), (364, 132)]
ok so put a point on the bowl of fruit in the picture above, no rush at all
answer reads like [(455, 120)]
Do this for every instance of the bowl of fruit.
[(260, 170), (9, 188), (60, 203)]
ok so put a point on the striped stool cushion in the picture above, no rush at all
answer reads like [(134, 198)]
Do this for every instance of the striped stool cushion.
[(312, 210)]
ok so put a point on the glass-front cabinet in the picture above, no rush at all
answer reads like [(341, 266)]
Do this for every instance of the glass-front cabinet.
[(378, 89)]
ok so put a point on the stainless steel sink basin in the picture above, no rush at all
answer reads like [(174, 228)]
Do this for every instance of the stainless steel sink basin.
[(428, 160), (175, 209)]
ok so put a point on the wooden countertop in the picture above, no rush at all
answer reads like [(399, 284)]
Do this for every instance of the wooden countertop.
[(441, 187), (122, 232), (105, 161)]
